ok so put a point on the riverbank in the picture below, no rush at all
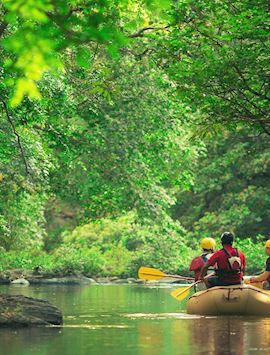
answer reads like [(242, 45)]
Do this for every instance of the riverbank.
[(27, 277), (20, 311)]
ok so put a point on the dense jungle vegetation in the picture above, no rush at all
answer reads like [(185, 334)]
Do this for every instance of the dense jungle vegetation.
[(131, 129)]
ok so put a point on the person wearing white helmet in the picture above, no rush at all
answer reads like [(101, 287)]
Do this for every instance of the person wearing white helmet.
[(265, 276), (208, 246)]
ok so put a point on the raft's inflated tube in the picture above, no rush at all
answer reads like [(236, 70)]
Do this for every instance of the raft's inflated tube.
[(230, 300)]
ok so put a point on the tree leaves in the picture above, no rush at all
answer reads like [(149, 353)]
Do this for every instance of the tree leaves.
[(218, 54), (39, 32)]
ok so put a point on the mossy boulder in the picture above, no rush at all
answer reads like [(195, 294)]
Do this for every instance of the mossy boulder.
[(21, 311)]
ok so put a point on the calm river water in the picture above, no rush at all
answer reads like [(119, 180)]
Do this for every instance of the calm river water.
[(131, 319)]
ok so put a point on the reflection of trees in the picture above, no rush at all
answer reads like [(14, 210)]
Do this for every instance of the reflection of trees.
[(258, 334), (158, 328), (223, 335), (21, 340), (150, 336), (168, 336), (229, 335)]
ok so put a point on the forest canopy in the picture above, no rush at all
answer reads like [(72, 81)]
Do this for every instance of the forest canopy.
[(131, 129)]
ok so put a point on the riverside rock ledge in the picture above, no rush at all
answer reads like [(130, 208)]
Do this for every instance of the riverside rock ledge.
[(21, 311)]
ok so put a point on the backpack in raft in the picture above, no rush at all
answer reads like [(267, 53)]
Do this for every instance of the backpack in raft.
[(234, 262)]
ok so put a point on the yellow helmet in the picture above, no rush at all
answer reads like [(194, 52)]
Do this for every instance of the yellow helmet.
[(267, 243), (209, 243)]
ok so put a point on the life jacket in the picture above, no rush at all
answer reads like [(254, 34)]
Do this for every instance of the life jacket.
[(198, 263), (234, 265), (266, 264)]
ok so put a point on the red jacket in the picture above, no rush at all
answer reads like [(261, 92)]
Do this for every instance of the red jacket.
[(197, 264), (221, 259)]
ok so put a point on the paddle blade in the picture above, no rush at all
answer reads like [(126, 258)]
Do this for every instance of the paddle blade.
[(180, 294), (148, 273)]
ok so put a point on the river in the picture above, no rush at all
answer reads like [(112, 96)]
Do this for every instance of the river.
[(131, 319)]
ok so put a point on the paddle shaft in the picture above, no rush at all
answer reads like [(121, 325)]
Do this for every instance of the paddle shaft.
[(198, 281), (180, 277), (186, 289)]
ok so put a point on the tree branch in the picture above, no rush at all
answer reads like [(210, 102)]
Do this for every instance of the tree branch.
[(137, 55), (140, 33), (3, 26), (238, 71), (264, 129), (236, 68), (17, 136)]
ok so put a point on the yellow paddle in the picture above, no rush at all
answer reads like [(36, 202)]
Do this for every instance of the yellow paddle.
[(149, 273), (180, 294)]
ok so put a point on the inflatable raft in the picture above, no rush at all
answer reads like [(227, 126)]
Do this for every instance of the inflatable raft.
[(230, 300)]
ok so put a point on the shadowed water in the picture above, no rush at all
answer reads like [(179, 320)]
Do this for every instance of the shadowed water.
[(131, 319)]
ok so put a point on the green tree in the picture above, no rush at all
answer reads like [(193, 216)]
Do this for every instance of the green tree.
[(231, 188), (218, 54), (35, 34)]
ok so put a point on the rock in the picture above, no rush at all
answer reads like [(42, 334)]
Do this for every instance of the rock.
[(121, 281), (4, 280), (103, 280), (14, 274), (92, 281), (113, 278), (20, 282), (69, 280), (131, 280), (139, 281), (25, 311), (152, 282)]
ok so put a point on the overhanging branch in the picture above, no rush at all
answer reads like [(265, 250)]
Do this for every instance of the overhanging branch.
[(17, 136), (141, 32), (3, 26)]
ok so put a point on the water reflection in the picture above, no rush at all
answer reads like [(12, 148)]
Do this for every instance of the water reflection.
[(20, 341), (218, 336), (132, 320), (178, 333), (230, 335)]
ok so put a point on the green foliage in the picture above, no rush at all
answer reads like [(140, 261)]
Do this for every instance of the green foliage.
[(100, 247), (255, 254), (118, 260), (117, 139), (25, 260), (68, 259), (24, 169), (110, 247), (231, 189), (22, 222), (218, 55), (126, 244), (36, 33), (91, 146), (127, 91), (103, 233)]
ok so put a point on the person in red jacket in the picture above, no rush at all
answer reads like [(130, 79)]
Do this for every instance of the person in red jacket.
[(208, 246), (230, 264)]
